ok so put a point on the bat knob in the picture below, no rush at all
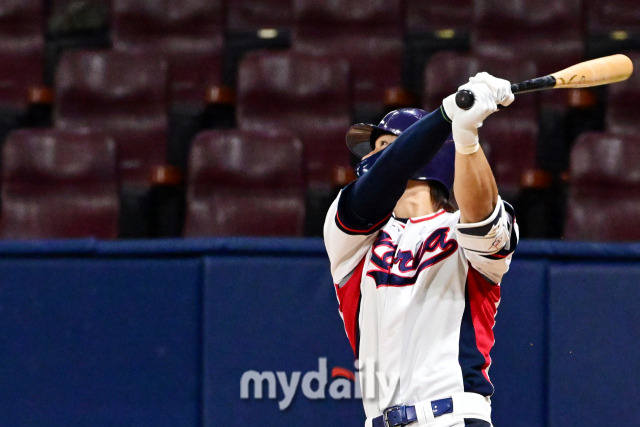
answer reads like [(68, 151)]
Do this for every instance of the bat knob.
[(464, 99)]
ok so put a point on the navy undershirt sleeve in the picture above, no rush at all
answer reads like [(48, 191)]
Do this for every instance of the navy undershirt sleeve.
[(367, 202)]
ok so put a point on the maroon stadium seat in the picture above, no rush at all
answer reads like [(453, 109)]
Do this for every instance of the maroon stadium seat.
[(59, 184), (245, 183), (121, 94), (190, 33), (604, 188), (368, 33), (21, 50), (308, 94), (622, 105)]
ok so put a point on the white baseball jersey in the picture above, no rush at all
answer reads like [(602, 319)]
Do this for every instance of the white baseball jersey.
[(418, 299)]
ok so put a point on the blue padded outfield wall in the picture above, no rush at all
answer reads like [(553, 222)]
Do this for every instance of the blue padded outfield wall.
[(174, 332)]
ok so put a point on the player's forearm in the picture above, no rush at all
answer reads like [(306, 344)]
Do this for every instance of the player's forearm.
[(474, 187), (375, 194)]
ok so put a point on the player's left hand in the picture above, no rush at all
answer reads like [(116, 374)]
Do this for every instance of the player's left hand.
[(465, 123)]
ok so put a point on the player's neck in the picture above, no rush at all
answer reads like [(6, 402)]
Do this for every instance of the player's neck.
[(415, 201)]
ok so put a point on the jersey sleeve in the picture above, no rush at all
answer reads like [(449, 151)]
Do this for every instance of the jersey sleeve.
[(346, 247), (489, 245)]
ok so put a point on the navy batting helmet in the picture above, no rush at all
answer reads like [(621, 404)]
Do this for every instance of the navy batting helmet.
[(361, 140)]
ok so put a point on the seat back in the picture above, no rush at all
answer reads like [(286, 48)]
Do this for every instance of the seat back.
[(368, 33), (21, 51), (604, 188), (59, 184), (245, 183), (308, 94), (122, 94), (189, 34)]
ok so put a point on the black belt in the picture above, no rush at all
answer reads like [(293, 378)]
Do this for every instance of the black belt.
[(402, 415)]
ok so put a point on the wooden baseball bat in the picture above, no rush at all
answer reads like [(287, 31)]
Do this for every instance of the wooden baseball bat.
[(595, 72)]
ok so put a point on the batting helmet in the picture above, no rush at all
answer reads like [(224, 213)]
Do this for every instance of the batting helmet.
[(361, 140)]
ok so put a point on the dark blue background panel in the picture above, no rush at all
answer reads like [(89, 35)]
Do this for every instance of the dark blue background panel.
[(274, 314), (518, 358), (90, 342), (594, 337)]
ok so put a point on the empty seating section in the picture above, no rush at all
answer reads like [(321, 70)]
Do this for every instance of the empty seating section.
[(168, 81), (59, 184), (604, 188), (308, 94), (246, 183)]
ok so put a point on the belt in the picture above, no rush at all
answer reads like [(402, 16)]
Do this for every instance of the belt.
[(402, 415)]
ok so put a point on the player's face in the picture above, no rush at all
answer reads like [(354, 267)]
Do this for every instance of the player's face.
[(381, 143)]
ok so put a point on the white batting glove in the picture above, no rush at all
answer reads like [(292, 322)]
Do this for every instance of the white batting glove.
[(500, 88), (488, 91)]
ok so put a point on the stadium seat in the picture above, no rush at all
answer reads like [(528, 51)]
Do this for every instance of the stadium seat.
[(21, 50), (124, 95), (604, 188), (368, 33), (189, 33), (245, 183), (622, 101), (22, 59), (121, 94), (308, 94), (59, 184), (72, 25)]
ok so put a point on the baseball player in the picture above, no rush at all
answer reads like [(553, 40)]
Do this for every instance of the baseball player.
[(418, 282)]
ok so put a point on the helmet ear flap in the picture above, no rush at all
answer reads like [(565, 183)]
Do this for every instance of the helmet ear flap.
[(365, 164)]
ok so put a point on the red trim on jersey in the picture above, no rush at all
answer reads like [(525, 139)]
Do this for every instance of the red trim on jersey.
[(483, 300), (368, 230), (427, 218), (349, 299)]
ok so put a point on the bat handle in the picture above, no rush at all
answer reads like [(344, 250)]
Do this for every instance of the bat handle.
[(465, 99)]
